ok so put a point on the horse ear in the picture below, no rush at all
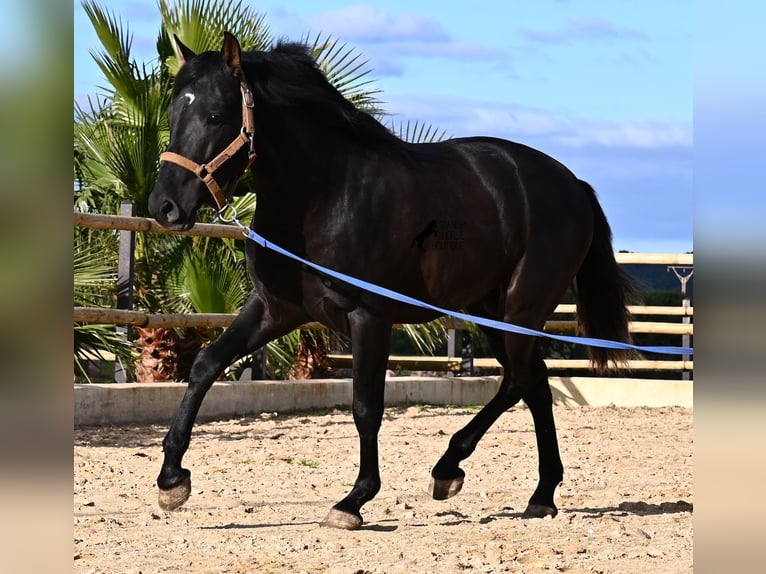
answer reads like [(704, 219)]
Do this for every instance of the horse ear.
[(184, 53), (231, 53)]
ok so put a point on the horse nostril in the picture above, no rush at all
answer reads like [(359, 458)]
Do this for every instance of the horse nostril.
[(169, 211)]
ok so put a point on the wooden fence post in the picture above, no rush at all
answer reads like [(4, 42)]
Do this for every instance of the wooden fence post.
[(125, 279), (453, 342), (684, 273), (459, 345), (686, 339)]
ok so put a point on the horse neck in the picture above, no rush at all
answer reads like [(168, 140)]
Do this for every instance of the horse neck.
[(300, 157)]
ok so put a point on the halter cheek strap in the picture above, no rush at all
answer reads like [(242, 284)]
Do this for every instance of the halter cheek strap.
[(205, 171)]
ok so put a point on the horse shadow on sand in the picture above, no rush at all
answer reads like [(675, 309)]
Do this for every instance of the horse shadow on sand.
[(626, 508)]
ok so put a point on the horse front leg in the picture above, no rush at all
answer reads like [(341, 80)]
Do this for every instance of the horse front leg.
[(370, 339), (250, 330)]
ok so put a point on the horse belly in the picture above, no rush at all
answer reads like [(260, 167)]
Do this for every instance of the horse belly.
[(456, 275)]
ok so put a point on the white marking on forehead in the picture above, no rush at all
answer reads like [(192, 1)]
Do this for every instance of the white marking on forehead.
[(189, 96)]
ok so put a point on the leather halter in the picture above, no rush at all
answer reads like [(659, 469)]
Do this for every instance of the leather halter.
[(205, 171)]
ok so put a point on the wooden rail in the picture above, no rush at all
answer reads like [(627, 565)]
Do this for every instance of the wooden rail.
[(140, 319), (453, 364), (147, 225), (640, 310), (97, 221)]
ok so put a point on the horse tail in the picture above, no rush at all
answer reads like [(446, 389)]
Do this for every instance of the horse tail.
[(602, 291)]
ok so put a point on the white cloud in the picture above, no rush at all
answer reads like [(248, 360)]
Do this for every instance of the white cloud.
[(634, 134), (583, 29), (464, 118), (448, 49), (387, 39), (367, 23)]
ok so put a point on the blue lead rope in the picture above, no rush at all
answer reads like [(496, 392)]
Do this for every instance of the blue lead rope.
[(372, 288)]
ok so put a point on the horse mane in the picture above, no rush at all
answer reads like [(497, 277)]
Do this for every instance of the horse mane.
[(287, 76)]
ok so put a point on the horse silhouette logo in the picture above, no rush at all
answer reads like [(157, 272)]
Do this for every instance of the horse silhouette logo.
[(430, 229)]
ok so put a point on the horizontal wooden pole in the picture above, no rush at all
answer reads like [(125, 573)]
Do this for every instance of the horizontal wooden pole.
[(661, 310), (654, 327), (140, 319), (147, 225), (659, 328), (453, 363), (655, 258), (634, 365), (408, 363), (674, 310)]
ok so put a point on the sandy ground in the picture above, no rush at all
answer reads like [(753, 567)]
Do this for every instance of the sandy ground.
[(261, 485)]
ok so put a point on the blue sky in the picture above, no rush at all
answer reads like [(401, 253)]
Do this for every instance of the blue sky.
[(604, 87)]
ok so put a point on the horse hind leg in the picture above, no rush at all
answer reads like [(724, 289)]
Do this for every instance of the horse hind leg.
[(537, 395), (530, 299), (446, 476), (525, 378)]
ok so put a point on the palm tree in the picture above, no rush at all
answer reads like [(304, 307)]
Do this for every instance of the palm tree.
[(95, 285), (117, 143)]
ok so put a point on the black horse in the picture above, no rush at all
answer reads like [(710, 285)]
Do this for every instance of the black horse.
[(338, 188)]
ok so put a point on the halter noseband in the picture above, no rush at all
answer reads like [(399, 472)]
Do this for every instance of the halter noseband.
[(205, 171)]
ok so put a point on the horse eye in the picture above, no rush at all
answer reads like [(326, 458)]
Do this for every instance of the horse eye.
[(214, 119)]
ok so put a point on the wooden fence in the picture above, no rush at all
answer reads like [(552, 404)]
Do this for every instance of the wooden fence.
[(453, 361)]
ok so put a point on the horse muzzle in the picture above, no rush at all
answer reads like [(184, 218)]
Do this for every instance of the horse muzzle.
[(170, 214)]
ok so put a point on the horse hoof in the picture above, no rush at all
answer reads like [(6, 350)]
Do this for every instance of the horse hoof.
[(176, 496), (539, 511), (444, 489), (343, 520)]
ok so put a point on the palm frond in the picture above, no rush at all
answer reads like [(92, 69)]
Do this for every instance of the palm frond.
[(114, 58), (98, 343), (113, 36), (346, 70), (418, 132), (94, 285), (119, 144), (210, 278), (281, 353), (200, 25), (158, 259), (94, 274), (427, 337)]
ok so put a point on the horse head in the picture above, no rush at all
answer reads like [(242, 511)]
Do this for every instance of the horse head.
[(211, 131)]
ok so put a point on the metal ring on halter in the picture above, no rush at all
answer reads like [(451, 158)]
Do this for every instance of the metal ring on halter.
[(243, 131), (233, 217)]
